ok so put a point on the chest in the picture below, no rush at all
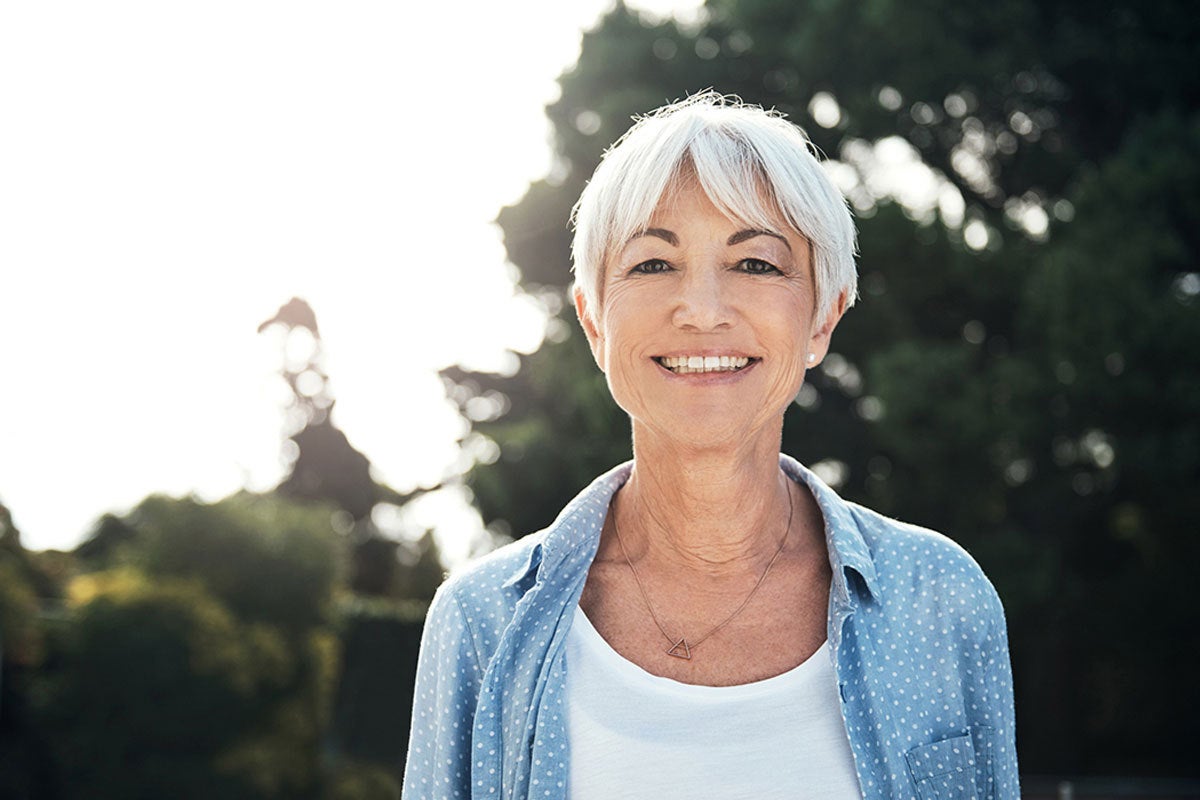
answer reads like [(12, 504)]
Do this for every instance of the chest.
[(779, 737), (782, 625), (527, 702)]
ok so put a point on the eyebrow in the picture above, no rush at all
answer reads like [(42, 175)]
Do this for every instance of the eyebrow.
[(737, 238), (658, 233), (742, 236)]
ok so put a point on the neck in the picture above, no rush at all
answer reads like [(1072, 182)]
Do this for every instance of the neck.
[(712, 510)]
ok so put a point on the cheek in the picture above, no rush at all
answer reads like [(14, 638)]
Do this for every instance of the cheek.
[(626, 319), (626, 349), (788, 376), (622, 342), (789, 347)]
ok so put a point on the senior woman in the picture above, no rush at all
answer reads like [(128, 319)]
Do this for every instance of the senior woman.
[(710, 620)]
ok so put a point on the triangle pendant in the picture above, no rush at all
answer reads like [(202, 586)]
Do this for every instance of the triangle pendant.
[(681, 650)]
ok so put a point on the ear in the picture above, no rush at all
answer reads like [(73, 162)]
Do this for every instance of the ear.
[(818, 344), (590, 329)]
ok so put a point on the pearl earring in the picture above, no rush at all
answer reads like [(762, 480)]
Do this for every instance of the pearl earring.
[(812, 357)]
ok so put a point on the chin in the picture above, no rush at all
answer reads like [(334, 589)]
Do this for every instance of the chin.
[(702, 431)]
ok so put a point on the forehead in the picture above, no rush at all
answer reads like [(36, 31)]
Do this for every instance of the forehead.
[(689, 199), (691, 195)]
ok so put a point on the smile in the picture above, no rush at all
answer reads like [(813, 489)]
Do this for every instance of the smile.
[(687, 365)]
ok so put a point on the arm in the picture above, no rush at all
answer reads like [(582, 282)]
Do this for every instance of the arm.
[(447, 689), (1000, 705)]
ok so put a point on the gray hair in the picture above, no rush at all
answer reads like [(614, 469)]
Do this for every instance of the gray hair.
[(739, 154)]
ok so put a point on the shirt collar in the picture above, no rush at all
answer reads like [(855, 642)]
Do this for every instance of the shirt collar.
[(576, 530), (843, 537), (575, 534)]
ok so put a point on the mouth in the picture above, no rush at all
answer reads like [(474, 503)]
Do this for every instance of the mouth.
[(690, 365)]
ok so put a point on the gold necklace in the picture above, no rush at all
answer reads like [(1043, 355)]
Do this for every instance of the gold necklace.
[(681, 647)]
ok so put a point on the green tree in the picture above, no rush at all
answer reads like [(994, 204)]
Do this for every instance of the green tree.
[(157, 679), (19, 583), (266, 559), (1021, 372), (201, 661), (24, 587), (391, 579)]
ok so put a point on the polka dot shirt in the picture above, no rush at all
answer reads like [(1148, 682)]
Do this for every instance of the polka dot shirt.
[(917, 629)]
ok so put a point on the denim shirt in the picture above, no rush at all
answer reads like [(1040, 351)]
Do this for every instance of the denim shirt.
[(915, 630)]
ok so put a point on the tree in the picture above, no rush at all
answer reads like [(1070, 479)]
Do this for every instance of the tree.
[(201, 660), (1021, 372), (24, 587), (159, 678), (390, 579), (19, 584), (325, 467)]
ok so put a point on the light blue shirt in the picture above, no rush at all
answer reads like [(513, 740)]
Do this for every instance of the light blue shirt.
[(916, 630)]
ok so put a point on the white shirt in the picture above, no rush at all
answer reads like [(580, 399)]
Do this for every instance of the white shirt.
[(637, 735)]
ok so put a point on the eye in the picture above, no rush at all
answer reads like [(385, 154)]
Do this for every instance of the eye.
[(756, 266), (654, 266)]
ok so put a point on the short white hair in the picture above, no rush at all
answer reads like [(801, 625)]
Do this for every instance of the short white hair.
[(739, 154)]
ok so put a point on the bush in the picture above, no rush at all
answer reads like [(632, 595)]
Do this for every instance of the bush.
[(156, 678)]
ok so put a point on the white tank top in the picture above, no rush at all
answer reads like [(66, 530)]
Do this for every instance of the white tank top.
[(636, 735)]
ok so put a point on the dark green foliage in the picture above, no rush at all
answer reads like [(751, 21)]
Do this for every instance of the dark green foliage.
[(25, 767), (107, 537), (201, 663), (205, 661), (265, 559), (566, 425), (421, 571), (38, 572), (399, 570), (1080, 72), (157, 677), (1037, 399), (21, 652), (198, 654), (380, 642), (1118, 311), (19, 636), (361, 781)]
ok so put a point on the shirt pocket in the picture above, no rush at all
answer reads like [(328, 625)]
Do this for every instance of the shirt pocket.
[(944, 770)]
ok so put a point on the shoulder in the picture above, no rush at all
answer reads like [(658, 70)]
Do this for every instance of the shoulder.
[(919, 567), (492, 577), (484, 593)]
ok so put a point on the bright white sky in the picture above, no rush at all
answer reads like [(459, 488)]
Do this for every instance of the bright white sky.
[(171, 173)]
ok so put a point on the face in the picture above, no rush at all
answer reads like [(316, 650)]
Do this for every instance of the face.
[(706, 324)]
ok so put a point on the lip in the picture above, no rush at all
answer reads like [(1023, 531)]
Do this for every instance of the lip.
[(707, 378), (706, 351)]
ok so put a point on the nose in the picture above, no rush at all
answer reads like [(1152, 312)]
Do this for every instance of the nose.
[(702, 303)]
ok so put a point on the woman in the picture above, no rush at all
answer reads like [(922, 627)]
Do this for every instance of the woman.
[(710, 620)]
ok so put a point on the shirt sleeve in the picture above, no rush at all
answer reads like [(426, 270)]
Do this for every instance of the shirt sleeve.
[(1006, 778), (444, 701)]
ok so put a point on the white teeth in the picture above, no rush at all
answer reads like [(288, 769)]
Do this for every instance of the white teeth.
[(686, 365)]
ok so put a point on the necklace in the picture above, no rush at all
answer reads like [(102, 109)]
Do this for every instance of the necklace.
[(680, 646)]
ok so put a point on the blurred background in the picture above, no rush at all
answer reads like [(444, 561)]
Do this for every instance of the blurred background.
[(222, 520)]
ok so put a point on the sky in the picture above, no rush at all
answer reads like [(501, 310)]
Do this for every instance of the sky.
[(172, 173)]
